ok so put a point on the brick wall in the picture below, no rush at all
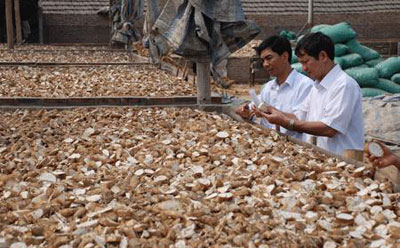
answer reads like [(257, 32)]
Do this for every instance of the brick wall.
[(73, 20), (76, 29), (239, 70), (384, 47), (368, 25), (76, 34), (96, 29)]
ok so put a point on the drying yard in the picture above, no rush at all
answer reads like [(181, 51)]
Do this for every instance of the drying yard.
[(67, 55), (90, 81), (159, 177), (166, 176), (62, 72)]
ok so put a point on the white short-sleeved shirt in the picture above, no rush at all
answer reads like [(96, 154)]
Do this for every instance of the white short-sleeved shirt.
[(337, 102), (286, 97)]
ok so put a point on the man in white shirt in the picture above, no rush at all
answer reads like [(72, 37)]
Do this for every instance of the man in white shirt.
[(331, 115), (289, 88)]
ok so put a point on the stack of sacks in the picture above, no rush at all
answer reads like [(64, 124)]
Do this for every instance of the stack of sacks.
[(374, 75), (389, 75)]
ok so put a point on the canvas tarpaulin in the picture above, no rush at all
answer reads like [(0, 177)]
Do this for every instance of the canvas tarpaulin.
[(125, 13), (154, 9), (193, 28), (382, 118)]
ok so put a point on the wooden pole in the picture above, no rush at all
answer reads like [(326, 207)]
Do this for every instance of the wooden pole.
[(1, 27), (9, 23), (110, 21), (310, 20), (398, 48), (18, 26), (40, 24), (203, 82)]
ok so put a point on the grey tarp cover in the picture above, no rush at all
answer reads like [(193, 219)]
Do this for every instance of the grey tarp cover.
[(125, 13), (382, 117), (131, 10), (157, 44), (193, 28)]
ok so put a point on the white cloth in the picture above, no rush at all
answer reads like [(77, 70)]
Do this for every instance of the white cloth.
[(286, 97), (337, 102)]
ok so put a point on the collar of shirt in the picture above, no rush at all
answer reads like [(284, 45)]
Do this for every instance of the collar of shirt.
[(326, 82), (289, 80)]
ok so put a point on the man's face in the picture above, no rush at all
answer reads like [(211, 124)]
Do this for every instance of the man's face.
[(312, 66), (273, 62)]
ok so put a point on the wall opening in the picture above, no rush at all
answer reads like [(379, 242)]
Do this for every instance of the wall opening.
[(29, 21)]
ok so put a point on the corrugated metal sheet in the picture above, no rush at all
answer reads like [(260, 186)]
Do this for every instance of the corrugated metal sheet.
[(290, 7), (251, 7), (73, 7)]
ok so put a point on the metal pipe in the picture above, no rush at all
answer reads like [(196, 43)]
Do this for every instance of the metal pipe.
[(310, 20)]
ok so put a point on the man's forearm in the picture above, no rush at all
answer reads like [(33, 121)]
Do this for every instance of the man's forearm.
[(313, 128), (288, 115)]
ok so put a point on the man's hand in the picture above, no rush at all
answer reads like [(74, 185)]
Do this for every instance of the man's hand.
[(266, 109), (388, 158), (244, 111), (276, 117)]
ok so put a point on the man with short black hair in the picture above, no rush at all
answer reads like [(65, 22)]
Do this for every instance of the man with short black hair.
[(331, 115), (289, 88)]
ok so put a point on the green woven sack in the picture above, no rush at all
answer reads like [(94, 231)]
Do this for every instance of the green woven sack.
[(349, 60), (388, 67), (371, 92), (396, 78), (388, 86), (365, 52), (294, 58), (290, 35), (339, 33), (365, 77), (374, 62), (359, 67), (341, 49), (319, 27), (298, 67)]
